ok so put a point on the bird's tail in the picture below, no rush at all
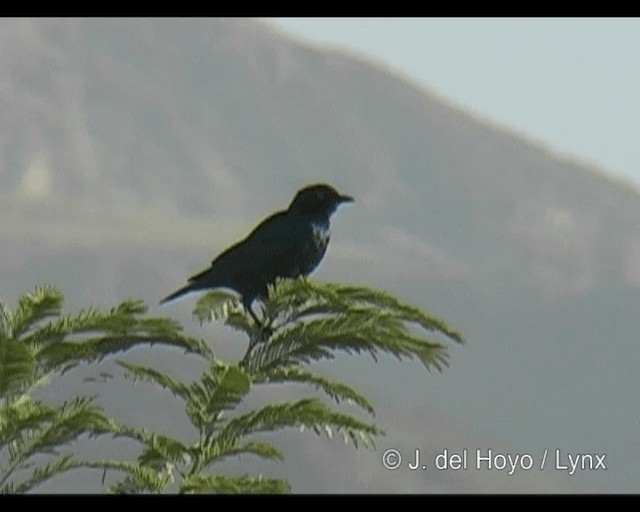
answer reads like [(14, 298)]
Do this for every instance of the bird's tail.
[(182, 293)]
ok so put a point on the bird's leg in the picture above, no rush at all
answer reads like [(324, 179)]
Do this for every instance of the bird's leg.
[(265, 330), (257, 321), (261, 335)]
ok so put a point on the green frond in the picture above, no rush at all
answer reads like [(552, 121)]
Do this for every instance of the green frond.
[(384, 301), (260, 449), (138, 478), (240, 321), (221, 447), (64, 339), (74, 418), (430, 353), (17, 367), (154, 467), (356, 333), (43, 473), (56, 353), (295, 299), (219, 389), (140, 435), (221, 305), (161, 449), (31, 428), (138, 372), (335, 390), (87, 321), (307, 321), (226, 385), (308, 413), (22, 414), (288, 297), (215, 305), (233, 485), (33, 307), (6, 317)]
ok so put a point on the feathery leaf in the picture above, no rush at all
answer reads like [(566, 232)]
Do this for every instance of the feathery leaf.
[(337, 391), (45, 472), (230, 485), (157, 377), (17, 367), (310, 413)]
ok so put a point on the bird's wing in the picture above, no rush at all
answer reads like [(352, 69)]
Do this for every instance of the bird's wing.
[(269, 249)]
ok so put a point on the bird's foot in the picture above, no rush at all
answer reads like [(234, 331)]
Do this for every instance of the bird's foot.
[(263, 328)]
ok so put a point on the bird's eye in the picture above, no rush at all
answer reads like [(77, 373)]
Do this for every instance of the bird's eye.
[(320, 196)]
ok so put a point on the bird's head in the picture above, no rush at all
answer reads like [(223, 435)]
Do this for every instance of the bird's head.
[(318, 200)]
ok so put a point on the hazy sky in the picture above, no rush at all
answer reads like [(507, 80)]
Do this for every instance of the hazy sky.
[(571, 83)]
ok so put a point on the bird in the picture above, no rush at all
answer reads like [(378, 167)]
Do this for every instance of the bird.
[(287, 244)]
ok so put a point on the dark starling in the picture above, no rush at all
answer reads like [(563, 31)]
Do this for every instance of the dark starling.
[(289, 243)]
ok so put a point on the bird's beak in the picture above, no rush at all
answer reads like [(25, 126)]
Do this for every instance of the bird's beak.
[(345, 199)]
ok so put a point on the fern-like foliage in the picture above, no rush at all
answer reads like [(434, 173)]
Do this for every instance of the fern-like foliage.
[(220, 304), (228, 485), (304, 322), (29, 428), (311, 321), (37, 342), (139, 478), (211, 403), (337, 391)]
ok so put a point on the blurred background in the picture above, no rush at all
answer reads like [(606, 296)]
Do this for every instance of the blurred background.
[(495, 169)]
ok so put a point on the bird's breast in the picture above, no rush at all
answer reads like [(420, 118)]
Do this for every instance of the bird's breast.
[(314, 247), (321, 235)]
